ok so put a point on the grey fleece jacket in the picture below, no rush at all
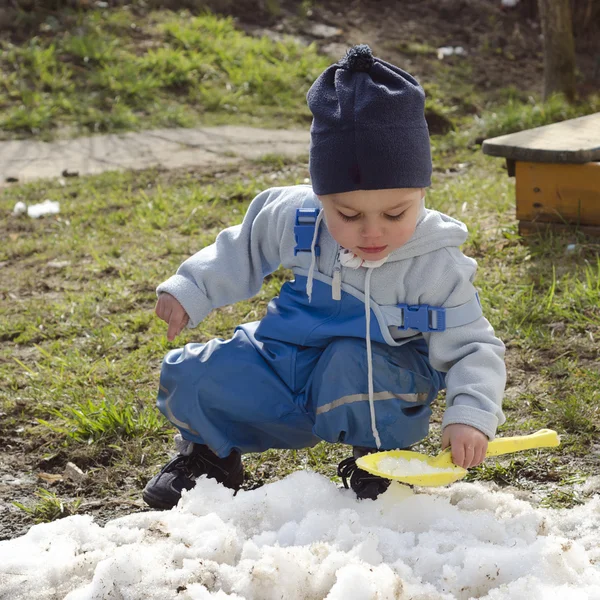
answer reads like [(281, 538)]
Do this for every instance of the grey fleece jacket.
[(428, 269)]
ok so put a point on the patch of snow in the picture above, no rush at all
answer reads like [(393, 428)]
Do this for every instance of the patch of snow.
[(303, 538), (450, 50), (20, 208), (47, 207), (414, 466)]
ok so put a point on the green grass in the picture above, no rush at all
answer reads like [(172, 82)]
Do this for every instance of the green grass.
[(89, 422), (49, 507), (562, 499), (80, 349), (113, 71), (121, 70), (410, 47), (514, 113)]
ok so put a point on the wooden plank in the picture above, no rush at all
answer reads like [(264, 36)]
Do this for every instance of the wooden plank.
[(572, 141), (527, 228), (558, 193)]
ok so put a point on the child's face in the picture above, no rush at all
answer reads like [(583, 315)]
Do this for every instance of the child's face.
[(372, 223)]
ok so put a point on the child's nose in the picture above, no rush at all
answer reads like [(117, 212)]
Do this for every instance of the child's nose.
[(371, 229)]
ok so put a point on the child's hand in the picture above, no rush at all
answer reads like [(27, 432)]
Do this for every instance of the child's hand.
[(171, 312), (468, 444)]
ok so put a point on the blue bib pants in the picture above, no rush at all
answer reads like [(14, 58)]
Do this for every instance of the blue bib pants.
[(299, 376)]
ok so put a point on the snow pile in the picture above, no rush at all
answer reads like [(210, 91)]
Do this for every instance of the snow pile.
[(302, 538), (403, 467), (20, 208), (35, 211)]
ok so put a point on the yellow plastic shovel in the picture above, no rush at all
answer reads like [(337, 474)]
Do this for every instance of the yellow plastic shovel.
[(449, 473)]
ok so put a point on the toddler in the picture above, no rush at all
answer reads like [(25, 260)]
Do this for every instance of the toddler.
[(380, 316)]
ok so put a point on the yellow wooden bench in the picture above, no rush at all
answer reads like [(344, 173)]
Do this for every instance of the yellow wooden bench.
[(557, 170)]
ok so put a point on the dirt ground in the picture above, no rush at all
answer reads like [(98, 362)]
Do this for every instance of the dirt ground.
[(504, 46)]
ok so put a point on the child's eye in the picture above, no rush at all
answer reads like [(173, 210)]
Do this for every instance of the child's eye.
[(347, 218), (395, 217)]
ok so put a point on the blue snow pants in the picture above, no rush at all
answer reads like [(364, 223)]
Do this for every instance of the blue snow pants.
[(291, 382)]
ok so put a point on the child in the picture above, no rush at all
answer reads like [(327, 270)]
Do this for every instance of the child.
[(381, 315)]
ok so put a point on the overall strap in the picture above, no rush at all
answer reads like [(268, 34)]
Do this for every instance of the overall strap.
[(425, 318), (304, 227)]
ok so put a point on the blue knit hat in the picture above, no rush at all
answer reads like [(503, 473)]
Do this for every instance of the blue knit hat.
[(369, 130)]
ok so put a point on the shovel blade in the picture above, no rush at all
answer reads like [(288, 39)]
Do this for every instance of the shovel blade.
[(448, 472), (444, 476)]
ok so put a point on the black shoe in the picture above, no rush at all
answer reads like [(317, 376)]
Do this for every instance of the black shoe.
[(163, 491), (365, 485)]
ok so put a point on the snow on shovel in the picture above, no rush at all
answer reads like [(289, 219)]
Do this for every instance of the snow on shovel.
[(433, 471)]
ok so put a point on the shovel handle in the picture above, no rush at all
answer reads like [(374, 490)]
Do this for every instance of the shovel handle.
[(544, 438)]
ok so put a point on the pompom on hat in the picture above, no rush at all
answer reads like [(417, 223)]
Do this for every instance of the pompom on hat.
[(369, 130)]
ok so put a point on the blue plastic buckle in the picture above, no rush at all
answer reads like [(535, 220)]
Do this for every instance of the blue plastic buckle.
[(419, 317), (304, 230)]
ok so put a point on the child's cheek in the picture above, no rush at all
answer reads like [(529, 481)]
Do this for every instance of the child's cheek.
[(341, 233), (406, 233)]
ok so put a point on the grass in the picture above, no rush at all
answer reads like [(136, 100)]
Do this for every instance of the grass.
[(514, 113), (518, 114), (562, 499), (113, 71), (49, 507), (89, 422), (121, 70), (80, 349)]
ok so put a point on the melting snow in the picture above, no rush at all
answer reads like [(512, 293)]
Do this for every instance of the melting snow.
[(414, 466), (303, 538), (35, 211)]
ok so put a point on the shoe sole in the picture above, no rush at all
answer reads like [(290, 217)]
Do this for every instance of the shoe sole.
[(154, 502)]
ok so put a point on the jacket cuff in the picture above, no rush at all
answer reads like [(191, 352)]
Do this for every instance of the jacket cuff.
[(195, 303), (485, 421)]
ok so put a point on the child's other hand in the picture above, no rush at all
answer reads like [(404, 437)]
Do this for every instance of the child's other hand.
[(468, 444), (171, 312)]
